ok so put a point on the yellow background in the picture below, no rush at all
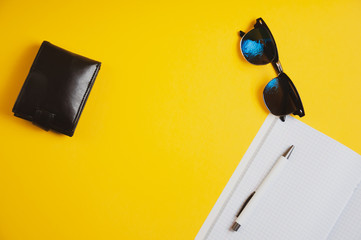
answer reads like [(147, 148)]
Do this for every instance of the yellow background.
[(172, 112)]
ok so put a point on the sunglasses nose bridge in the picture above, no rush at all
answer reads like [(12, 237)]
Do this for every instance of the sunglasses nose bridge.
[(277, 66)]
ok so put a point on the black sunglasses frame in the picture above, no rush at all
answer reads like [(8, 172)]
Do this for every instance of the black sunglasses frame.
[(279, 70)]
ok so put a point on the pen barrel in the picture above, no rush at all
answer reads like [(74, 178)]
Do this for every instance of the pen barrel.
[(262, 189)]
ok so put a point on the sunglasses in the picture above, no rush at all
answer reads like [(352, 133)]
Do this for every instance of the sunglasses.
[(280, 94)]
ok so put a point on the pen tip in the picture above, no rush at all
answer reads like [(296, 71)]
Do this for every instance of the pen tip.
[(287, 154)]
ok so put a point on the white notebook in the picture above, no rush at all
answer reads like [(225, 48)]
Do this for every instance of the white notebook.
[(317, 195)]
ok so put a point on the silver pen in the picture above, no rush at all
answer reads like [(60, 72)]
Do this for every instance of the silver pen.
[(254, 197)]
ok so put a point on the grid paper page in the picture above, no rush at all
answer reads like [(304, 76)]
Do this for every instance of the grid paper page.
[(306, 199), (348, 226)]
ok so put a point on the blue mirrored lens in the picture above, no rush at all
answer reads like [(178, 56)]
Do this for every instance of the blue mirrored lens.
[(258, 47), (272, 87), (279, 96)]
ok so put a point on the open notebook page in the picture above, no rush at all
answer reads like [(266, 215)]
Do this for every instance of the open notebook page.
[(307, 198), (348, 226)]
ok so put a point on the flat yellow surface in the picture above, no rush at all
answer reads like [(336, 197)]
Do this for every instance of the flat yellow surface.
[(173, 110)]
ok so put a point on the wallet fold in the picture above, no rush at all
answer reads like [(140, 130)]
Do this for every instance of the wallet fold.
[(56, 89)]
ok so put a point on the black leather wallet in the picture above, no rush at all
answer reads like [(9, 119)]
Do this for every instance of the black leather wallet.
[(56, 89)]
